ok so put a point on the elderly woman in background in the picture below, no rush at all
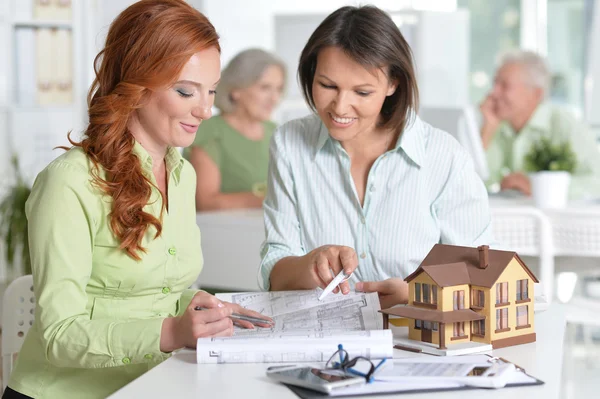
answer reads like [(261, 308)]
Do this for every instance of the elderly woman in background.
[(231, 150)]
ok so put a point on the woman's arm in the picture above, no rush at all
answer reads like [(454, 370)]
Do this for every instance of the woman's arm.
[(64, 211), (208, 187), (285, 264)]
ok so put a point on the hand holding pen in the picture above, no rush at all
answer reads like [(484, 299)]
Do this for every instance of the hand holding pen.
[(215, 321), (340, 260)]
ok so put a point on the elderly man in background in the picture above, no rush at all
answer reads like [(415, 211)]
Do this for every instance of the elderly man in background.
[(515, 115)]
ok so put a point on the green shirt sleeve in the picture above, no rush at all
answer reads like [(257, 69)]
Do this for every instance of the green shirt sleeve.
[(496, 158), (63, 213)]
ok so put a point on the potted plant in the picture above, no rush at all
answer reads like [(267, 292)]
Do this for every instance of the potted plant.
[(550, 167), (13, 224)]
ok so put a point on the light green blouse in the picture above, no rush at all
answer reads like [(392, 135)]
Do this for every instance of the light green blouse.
[(243, 163), (506, 153), (99, 312)]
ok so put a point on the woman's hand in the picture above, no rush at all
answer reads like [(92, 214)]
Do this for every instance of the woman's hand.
[(392, 291), (185, 330), (247, 312), (322, 260)]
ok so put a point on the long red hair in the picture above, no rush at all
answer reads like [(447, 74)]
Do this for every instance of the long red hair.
[(146, 48)]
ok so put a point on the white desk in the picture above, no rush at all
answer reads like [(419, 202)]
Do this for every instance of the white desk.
[(181, 377)]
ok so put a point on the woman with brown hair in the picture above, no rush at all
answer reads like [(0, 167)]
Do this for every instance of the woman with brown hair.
[(113, 239), (364, 185)]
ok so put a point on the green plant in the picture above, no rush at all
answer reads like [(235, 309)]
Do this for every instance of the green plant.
[(13, 222), (546, 156)]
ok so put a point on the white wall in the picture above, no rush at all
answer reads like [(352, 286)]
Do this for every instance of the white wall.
[(593, 79), (4, 49), (243, 23)]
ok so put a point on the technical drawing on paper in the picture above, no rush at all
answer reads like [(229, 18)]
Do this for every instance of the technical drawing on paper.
[(309, 347), (297, 313)]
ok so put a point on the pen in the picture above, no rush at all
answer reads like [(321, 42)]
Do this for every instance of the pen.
[(341, 277), (237, 316)]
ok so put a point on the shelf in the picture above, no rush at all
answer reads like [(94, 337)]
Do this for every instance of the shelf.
[(42, 24)]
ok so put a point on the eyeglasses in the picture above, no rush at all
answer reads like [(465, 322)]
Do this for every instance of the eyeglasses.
[(350, 366)]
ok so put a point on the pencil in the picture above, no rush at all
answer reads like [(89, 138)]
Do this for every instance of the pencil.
[(237, 316)]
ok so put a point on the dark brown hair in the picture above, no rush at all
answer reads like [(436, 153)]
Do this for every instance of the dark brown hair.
[(369, 36), (147, 46)]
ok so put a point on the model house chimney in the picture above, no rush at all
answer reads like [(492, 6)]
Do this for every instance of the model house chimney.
[(483, 256)]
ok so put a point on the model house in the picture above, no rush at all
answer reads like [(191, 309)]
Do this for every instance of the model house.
[(461, 294)]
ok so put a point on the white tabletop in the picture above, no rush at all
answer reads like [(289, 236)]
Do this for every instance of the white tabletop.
[(181, 377)]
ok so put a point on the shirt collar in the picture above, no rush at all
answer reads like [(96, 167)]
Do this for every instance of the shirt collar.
[(539, 120), (173, 160), (322, 138), (411, 140)]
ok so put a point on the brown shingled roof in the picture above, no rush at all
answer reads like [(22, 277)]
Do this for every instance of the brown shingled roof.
[(449, 274), (443, 265)]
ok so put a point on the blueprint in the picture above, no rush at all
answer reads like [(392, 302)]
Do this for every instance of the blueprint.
[(300, 312), (306, 347), (305, 330)]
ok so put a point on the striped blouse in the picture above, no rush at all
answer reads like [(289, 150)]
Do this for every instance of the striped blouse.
[(422, 192)]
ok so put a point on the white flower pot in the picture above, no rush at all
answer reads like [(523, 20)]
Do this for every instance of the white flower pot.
[(550, 189)]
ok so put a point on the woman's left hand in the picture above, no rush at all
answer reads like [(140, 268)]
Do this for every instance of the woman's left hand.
[(392, 291), (247, 312)]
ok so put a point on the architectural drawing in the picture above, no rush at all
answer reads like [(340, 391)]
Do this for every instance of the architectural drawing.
[(306, 347), (297, 313)]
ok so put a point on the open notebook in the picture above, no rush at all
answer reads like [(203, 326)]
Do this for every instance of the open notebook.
[(305, 330)]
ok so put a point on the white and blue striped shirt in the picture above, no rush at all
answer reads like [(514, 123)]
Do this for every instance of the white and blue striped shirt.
[(423, 192)]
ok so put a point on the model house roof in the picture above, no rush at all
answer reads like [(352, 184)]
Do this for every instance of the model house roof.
[(450, 265)]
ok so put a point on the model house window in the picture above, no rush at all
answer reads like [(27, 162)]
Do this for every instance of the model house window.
[(459, 299), (418, 292), (418, 324), (479, 327), (478, 298), (502, 293), (522, 290), (434, 294), (426, 293), (501, 319), (435, 326), (522, 316), (459, 329)]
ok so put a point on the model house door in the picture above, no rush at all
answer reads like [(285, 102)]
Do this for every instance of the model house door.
[(426, 333)]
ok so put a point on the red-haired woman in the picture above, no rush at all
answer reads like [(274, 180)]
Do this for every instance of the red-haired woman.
[(113, 238)]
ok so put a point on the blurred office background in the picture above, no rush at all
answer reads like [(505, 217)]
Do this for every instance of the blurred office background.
[(46, 68), (48, 48)]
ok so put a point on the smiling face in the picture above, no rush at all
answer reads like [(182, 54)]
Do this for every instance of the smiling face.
[(171, 116), (259, 100), (347, 96)]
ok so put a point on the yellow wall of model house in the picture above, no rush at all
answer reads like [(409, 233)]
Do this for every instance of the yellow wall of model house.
[(512, 274), (487, 305), (422, 278), (448, 306)]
